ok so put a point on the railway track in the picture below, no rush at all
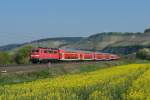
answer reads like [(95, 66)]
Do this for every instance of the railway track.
[(21, 68)]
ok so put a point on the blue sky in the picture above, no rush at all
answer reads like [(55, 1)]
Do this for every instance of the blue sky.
[(27, 20)]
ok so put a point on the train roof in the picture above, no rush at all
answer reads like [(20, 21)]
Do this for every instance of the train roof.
[(48, 48), (105, 53), (72, 50)]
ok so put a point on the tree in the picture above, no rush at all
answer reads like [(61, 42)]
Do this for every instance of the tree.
[(147, 30), (144, 54), (5, 58), (22, 56)]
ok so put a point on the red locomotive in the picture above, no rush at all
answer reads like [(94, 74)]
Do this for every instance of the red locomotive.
[(54, 54)]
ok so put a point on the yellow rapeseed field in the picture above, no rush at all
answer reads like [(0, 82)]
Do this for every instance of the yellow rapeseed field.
[(130, 82), (140, 89)]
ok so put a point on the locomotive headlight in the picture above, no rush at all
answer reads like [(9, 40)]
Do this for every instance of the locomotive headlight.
[(34, 55), (37, 55)]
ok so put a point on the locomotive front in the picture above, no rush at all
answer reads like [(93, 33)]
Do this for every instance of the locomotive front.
[(44, 55)]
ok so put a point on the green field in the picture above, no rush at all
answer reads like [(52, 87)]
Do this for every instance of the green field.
[(125, 82)]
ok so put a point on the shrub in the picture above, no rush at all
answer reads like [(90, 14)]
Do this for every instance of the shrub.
[(5, 58), (22, 55), (143, 54)]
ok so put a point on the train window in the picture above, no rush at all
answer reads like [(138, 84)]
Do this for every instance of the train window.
[(55, 51), (45, 51), (35, 50), (50, 51)]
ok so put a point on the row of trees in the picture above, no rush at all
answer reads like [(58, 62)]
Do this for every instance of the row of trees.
[(20, 56)]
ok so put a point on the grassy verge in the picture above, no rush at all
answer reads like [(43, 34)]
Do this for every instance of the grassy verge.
[(62, 70)]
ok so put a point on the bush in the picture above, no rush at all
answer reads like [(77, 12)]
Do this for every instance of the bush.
[(22, 56), (147, 30), (5, 58), (143, 54)]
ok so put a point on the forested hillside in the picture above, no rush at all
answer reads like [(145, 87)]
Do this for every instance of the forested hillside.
[(112, 42)]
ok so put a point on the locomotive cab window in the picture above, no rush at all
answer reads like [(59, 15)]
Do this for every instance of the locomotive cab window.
[(35, 50), (45, 51), (55, 51), (52, 52)]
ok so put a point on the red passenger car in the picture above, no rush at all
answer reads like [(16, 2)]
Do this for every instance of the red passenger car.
[(69, 55), (84, 55)]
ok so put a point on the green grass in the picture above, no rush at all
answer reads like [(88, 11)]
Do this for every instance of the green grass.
[(7, 78)]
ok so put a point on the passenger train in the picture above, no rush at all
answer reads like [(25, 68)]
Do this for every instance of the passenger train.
[(54, 54)]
